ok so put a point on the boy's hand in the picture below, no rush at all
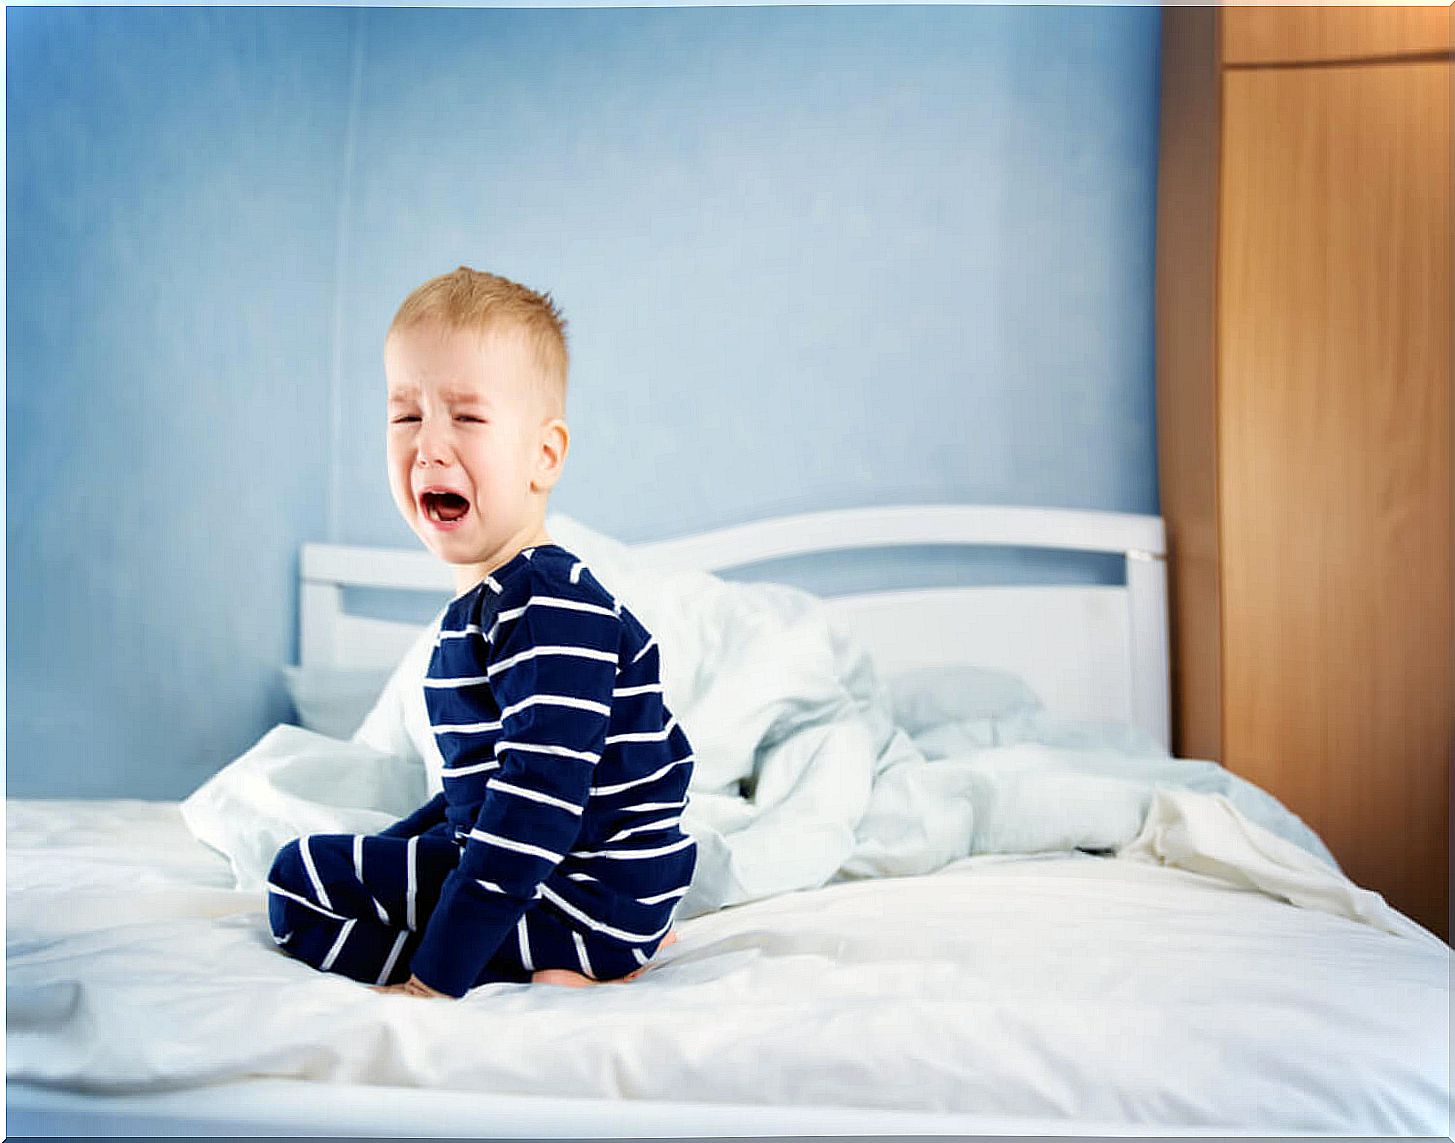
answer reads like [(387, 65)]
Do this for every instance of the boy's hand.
[(411, 987)]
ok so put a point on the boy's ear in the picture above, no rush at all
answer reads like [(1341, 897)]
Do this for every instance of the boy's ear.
[(555, 440)]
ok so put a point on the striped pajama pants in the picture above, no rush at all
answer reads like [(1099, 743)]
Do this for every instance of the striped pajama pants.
[(357, 904)]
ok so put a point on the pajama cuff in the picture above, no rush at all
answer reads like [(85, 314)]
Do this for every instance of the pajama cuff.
[(463, 933)]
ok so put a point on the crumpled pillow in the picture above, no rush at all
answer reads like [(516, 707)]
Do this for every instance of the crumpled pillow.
[(928, 697), (333, 700), (398, 724)]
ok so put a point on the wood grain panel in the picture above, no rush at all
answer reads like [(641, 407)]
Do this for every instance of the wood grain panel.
[(1186, 346), (1295, 33), (1334, 487)]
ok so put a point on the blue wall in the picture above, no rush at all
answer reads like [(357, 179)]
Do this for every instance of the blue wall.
[(173, 178), (811, 257)]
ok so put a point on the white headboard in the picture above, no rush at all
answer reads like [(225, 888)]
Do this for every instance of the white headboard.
[(1090, 651)]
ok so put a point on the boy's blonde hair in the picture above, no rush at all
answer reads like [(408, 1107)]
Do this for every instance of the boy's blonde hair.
[(466, 299)]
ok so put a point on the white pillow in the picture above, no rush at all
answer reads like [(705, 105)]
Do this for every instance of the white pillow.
[(398, 723), (333, 700), (928, 697)]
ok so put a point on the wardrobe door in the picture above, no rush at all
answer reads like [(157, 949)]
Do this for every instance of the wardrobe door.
[(1334, 496), (1285, 33)]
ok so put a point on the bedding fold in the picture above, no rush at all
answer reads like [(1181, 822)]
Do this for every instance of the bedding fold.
[(803, 774)]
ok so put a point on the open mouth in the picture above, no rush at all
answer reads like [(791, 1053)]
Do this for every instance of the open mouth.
[(444, 507)]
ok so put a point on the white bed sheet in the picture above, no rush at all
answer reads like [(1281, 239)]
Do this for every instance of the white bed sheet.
[(1060, 989)]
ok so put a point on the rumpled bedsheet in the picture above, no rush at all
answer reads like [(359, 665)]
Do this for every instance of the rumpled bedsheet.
[(1060, 987), (802, 776), (884, 915)]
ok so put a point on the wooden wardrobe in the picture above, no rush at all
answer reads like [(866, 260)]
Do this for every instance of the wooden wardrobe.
[(1304, 420)]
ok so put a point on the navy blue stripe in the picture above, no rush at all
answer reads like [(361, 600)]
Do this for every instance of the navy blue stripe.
[(522, 820)]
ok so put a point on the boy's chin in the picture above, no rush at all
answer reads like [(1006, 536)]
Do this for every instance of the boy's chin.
[(447, 548)]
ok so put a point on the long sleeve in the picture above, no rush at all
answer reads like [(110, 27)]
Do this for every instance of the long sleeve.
[(551, 668)]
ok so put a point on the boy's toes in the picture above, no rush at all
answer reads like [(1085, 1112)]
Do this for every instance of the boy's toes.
[(669, 939)]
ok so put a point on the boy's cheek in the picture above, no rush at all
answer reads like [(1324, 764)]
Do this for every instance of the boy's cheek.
[(399, 489)]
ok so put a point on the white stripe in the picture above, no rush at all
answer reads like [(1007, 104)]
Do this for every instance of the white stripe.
[(464, 681), (551, 649), (576, 571), (465, 727), (500, 618), (646, 827), (318, 888), (634, 854), (644, 806), (581, 955), (493, 584), (517, 846), (621, 934), (647, 646), (652, 777), (546, 601), (641, 956), (343, 935), (645, 735), (570, 605), (539, 748), (645, 688), (490, 885), (359, 873), (556, 700), (283, 940), (535, 796), (581, 877), (660, 897), (410, 881), (528, 552), (393, 956), (461, 771), (522, 936), (278, 889), (461, 633)]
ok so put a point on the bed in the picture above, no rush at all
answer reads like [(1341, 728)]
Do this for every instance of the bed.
[(951, 883)]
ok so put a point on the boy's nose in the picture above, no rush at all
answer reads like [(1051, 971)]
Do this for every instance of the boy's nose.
[(432, 449)]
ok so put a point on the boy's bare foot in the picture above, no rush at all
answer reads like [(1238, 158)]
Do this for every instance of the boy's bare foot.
[(566, 978), (562, 976)]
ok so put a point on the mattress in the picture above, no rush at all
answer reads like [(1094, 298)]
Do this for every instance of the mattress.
[(1055, 992)]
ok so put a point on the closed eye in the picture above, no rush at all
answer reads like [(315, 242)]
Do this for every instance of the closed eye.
[(403, 420)]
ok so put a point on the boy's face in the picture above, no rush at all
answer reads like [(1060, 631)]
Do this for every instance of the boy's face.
[(473, 451)]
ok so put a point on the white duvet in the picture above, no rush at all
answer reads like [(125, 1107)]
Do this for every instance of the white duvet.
[(890, 911), (1061, 987), (809, 767)]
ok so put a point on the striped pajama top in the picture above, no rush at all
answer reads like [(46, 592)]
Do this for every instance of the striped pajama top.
[(565, 775)]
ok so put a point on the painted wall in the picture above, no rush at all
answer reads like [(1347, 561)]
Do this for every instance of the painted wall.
[(173, 176), (811, 258)]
